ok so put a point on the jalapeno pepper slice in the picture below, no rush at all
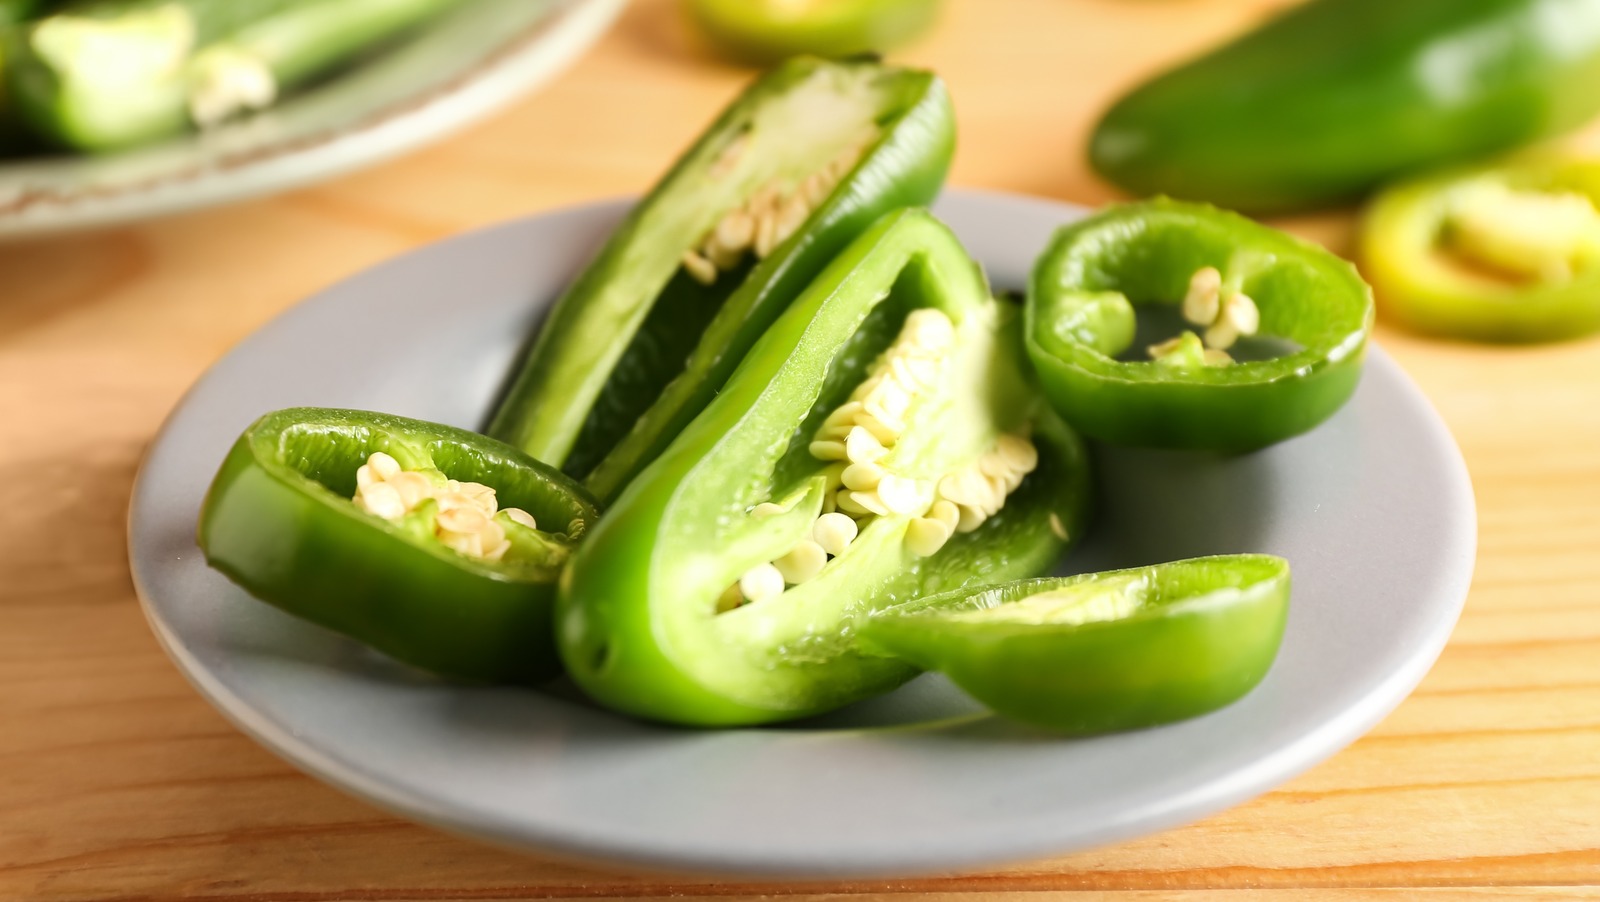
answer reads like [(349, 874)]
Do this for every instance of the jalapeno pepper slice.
[(808, 157), (767, 31), (1101, 651), (882, 440), (1232, 278), (406, 568), (1506, 253)]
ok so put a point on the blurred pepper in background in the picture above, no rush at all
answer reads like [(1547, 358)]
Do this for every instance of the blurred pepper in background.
[(1334, 97), (768, 31)]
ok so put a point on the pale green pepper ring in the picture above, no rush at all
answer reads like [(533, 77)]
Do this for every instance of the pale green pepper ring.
[(1428, 278)]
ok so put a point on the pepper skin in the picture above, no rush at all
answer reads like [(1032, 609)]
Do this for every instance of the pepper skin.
[(1432, 283), (278, 520), (1080, 314), (768, 31), (1102, 651), (637, 620), (1334, 97), (636, 347)]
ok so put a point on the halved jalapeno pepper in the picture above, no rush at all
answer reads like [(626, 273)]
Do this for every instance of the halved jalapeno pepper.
[(436, 546), (1505, 253), (1304, 313), (881, 441), (768, 31), (1101, 651), (805, 159)]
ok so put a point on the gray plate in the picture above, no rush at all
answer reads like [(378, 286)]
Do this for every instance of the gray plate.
[(1373, 509), (461, 68)]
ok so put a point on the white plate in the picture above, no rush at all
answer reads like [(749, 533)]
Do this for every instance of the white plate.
[(458, 70), (1373, 509)]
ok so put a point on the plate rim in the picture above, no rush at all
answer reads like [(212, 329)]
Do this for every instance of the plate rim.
[(1265, 773), (409, 124)]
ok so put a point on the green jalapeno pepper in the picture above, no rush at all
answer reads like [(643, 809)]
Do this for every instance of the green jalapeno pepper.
[(434, 545), (1102, 651), (881, 441), (104, 74), (768, 31), (805, 159), (1506, 253), (1246, 285), (1336, 96)]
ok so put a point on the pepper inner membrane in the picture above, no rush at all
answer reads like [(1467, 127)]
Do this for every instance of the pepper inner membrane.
[(1545, 235), (894, 446), (757, 188)]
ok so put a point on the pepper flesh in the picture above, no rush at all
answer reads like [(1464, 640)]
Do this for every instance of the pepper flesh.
[(636, 347), (1334, 97), (769, 31), (1536, 286), (638, 620), (1081, 301), (279, 521), (1102, 651)]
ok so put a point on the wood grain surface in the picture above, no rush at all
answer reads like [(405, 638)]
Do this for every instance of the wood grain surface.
[(118, 782)]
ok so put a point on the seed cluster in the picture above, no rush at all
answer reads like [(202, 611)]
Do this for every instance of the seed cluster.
[(774, 212), (465, 515), (1224, 316), (856, 437)]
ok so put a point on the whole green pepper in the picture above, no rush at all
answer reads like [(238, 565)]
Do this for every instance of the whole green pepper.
[(638, 345), (1335, 96), (1500, 253), (705, 597), (1250, 279), (769, 31), (1102, 651), (436, 589)]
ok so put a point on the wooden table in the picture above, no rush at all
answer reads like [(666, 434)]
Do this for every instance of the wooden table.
[(117, 781)]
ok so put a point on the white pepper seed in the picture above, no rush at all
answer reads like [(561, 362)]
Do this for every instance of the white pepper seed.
[(1201, 304), (412, 486), (870, 502), (862, 477), (834, 532), (924, 536), (1018, 452), (382, 500), (518, 515), (761, 582), (945, 512), (863, 447), (383, 466), (698, 267), (802, 563), (828, 450), (1057, 527)]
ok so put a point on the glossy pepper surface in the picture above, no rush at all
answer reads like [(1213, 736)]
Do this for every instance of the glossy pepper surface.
[(1081, 320), (644, 623), (1102, 651), (637, 345), (769, 31), (279, 521), (1505, 253), (1335, 96)]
